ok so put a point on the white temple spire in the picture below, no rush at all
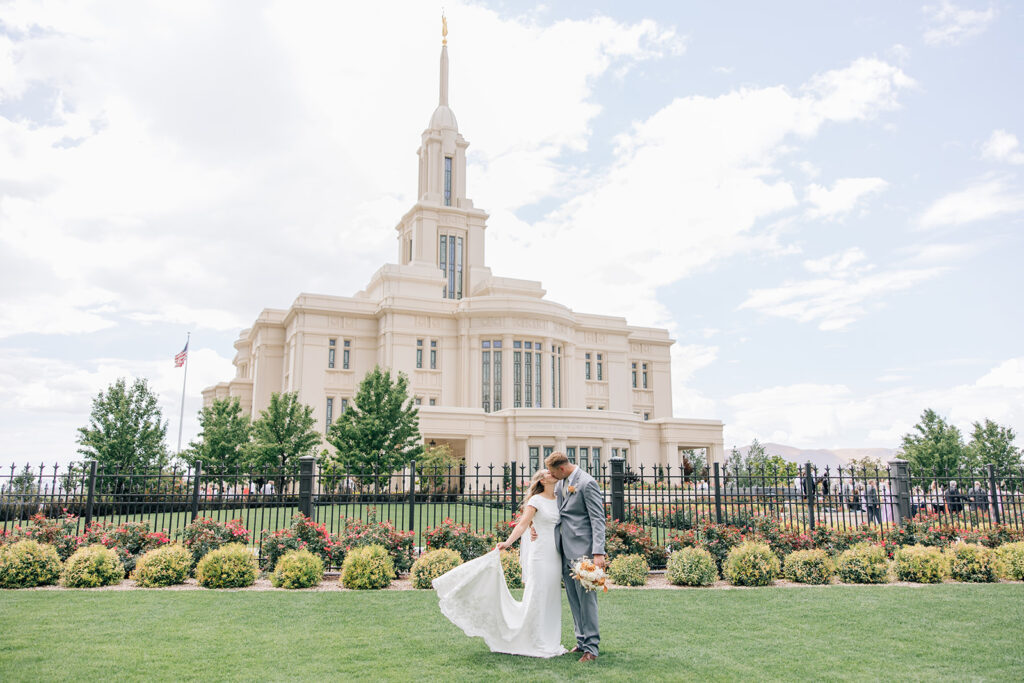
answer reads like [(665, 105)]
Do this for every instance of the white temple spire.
[(443, 99)]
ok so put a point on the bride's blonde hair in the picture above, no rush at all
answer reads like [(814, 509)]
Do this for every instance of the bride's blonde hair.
[(536, 487)]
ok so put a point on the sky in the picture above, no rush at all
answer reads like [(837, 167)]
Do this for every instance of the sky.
[(823, 202)]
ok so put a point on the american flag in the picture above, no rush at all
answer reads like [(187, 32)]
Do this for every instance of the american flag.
[(179, 359)]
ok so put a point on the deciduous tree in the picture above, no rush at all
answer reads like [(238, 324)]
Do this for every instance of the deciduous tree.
[(281, 435)]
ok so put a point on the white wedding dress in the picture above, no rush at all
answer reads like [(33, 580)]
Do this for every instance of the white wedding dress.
[(475, 597)]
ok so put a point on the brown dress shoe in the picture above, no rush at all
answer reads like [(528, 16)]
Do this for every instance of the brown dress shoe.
[(588, 657)]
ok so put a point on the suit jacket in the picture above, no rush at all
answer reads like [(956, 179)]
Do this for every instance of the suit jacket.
[(580, 529), (872, 496)]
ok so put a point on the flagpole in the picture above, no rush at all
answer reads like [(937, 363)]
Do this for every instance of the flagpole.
[(181, 417)]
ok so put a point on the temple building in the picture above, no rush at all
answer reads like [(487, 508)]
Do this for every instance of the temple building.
[(500, 372)]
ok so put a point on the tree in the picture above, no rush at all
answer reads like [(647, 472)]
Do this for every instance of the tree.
[(934, 446), (281, 435), (380, 433), (436, 467), (864, 463), (993, 444), (126, 429), (223, 439), (759, 468), (23, 482)]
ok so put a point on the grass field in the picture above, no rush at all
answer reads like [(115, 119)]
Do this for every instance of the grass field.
[(943, 632)]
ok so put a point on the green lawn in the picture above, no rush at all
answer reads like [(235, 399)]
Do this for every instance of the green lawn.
[(944, 632)]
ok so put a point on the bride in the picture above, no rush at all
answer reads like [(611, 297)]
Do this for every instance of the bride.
[(475, 597)]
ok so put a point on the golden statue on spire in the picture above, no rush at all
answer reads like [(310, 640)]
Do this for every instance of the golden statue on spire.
[(444, 29)]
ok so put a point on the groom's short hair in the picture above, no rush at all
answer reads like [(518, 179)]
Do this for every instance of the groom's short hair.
[(556, 459)]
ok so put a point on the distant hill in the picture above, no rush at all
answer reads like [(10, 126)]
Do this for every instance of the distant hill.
[(824, 457)]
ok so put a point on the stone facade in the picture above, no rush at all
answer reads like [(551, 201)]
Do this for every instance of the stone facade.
[(500, 372)]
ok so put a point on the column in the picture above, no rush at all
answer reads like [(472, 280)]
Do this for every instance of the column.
[(634, 453), (560, 443), (716, 453), (670, 455), (571, 396)]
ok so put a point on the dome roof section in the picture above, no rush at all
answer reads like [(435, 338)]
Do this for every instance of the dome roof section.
[(443, 119)]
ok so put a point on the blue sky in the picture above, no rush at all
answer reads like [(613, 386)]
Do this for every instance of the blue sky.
[(823, 202)]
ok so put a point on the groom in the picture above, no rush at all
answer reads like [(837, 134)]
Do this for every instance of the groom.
[(579, 533)]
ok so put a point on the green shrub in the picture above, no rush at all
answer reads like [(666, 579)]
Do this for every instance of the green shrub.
[(92, 566), (863, 563), (751, 564), (629, 570), (205, 534), (165, 566), (431, 565), (369, 567), (1010, 561), (230, 566), (128, 539), (691, 567), (459, 537), (513, 569), (970, 562), (28, 563), (298, 569), (809, 566), (920, 564)]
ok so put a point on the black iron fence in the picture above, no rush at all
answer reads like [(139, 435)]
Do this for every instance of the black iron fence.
[(663, 500)]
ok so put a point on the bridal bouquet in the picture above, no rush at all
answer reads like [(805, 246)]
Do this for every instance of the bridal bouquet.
[(590, 576)]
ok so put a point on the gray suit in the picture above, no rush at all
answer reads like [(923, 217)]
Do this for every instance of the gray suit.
[(580, 533)]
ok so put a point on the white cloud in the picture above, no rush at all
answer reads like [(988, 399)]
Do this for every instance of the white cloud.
[(833, 415), (981, 201), (952, 25), (1003, 146), (842, 197), (230, 144), (53, 396), (845, 290), (689, 187)]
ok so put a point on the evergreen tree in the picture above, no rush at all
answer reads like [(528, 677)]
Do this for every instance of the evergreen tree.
[(935, 446), (993, 444), (126, 429), (223, 439), (281, 435), (380, 433)]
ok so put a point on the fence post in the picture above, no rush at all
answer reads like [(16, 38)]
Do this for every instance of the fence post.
[(902, 508), (512, 478), (618, 489), (92, 492), (718, 496), (809, 491), (306, 485), (993, 493), (197, 472), (412, 495)]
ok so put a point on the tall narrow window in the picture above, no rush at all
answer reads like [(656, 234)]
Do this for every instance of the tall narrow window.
[(634, 375), (554, 381), (600, 369), (559, 378), (330, 414), (548, 450), (537, 378), (410, 250), (419, 354), (528, 379), (345, 353), (450, 259), (485, 377), (433, 354), (534, 459), (344, 405), (447, 181), (517, 375), (497, 374), (442, 256), (595, 462), (645, 375), (570, 452), (586, 366), (585, 458), (331, 343)]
